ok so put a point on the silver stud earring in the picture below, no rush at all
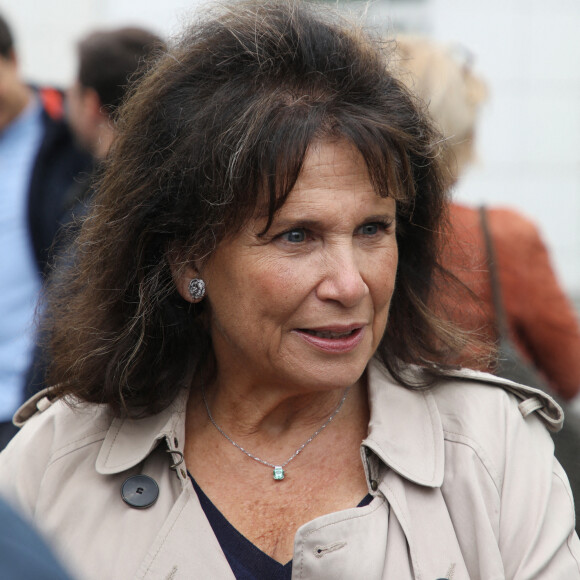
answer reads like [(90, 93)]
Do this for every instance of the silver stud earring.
[(196, 289)]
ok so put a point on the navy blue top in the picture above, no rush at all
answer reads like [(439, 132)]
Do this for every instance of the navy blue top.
[(246, 560)]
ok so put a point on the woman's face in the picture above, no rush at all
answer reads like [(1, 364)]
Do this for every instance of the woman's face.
[(304, 306)]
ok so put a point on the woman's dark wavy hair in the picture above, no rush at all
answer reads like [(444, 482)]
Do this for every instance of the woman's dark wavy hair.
[(219, 126)]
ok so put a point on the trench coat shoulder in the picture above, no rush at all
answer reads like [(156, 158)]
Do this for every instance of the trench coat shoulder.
[(466, 407), (464, 400), (66, 423), (50, 431), (475, 388), (496, 418)]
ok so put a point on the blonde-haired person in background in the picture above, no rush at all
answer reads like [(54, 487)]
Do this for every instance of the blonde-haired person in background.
[(442, 77), (540, 317)]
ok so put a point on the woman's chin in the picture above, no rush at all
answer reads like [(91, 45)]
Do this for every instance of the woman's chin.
[(327, 377)]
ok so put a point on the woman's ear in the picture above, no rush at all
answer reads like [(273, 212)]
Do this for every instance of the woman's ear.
[(186, 278)]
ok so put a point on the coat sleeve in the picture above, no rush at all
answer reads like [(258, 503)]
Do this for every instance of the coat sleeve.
[(536, 527)]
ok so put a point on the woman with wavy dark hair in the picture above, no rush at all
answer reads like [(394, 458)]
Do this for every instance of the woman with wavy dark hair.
[(249, 381)]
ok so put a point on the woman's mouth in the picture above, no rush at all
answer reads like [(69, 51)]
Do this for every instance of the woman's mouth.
[(328, 333), (333, 340)]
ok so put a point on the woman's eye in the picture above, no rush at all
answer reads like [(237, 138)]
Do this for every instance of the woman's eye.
[(294, 236), (372, 229)]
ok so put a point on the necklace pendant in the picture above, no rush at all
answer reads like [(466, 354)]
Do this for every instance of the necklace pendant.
[(278, 472)]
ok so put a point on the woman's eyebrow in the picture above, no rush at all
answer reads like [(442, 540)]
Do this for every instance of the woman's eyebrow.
[(297, 222), (387, 215)]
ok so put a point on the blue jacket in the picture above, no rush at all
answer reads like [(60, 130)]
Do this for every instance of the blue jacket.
[(58, 165)]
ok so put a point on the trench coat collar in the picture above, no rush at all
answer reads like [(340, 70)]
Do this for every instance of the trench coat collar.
[(405, 429), (129, 441), (405, 432)]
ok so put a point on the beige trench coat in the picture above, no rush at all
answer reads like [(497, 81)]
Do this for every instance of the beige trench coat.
[(463, 477)]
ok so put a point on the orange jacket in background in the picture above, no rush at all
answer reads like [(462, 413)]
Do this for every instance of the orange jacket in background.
[(541, 318)]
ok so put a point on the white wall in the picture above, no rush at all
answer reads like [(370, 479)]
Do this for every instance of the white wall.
[(46, 30), (527, 50)]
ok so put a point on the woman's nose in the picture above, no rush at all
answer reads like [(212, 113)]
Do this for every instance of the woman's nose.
[(341, 277)]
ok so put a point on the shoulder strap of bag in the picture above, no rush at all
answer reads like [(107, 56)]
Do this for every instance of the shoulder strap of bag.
[(500, 315), (510, 364)]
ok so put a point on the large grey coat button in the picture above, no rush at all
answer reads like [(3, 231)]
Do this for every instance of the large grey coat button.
[(140, 491)]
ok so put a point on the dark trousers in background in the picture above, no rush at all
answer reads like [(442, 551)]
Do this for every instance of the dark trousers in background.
[(7, 431)]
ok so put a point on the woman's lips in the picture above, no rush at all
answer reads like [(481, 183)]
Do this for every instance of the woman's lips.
[(338, 340)]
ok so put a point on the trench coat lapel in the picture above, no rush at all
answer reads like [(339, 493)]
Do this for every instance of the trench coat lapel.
[(185, 547), (406, 437), (424, 518)]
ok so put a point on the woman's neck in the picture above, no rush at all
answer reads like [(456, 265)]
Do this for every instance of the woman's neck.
[(272, 422)]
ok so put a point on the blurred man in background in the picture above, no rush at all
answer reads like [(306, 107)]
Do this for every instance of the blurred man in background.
[(38, 163), (109, 61)]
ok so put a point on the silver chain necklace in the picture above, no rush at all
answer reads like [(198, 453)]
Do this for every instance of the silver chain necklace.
[(278, 469)]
